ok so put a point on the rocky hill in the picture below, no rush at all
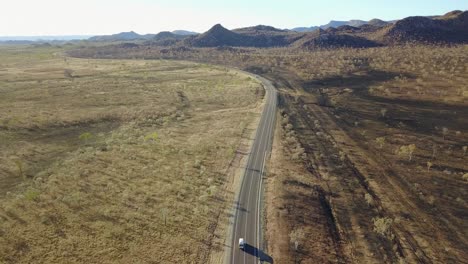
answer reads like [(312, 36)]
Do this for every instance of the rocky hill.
[(260, 29), (326, 39), (219, 36), (258, 36), (450, 28), (377, 23)]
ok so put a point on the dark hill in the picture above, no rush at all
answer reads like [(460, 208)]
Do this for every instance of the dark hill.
[(377, 22), (260, 29), (219, 36), (259, 36), (166, 38), (449, 15), (163, 35), (318, 39), (446, 29), (347, 29)]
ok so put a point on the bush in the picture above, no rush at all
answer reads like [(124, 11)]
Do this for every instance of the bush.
[(429, 165), (31, 195), (382, 226), (297, 236), (369, 199), (380, 141), (465, 177), (85, 136), (407, 151)]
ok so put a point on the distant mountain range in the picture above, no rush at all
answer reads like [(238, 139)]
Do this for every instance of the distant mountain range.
[(44, 38), (125, 36), (449, 28), (336, 24)]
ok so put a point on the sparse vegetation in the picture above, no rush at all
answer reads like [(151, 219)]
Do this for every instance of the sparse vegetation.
[(338, 102)]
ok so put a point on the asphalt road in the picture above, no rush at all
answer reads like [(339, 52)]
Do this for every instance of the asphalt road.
[(248, 208)]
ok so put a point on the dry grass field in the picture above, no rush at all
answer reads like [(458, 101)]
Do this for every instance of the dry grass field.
[(115, 161)]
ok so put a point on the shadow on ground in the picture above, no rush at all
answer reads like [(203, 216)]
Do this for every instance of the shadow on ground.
[(262, 256)]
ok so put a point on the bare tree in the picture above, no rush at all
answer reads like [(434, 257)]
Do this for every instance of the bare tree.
[(445, 132)]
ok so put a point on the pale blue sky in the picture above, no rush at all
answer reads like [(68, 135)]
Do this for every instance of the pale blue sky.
[(90, 17)]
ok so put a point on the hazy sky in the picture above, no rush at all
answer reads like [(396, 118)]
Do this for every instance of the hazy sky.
[(90, 17)]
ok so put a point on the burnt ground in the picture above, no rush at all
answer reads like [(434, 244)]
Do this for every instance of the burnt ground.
[(351, 182)]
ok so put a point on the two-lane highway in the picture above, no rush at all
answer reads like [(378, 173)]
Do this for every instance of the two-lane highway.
[(247, 217)]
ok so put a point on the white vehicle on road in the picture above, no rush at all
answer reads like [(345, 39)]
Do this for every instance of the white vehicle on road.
[(241, 243)]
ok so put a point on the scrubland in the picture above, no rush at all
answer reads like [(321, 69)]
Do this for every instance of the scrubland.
[(370, 162), (115, 161), (385, 134)]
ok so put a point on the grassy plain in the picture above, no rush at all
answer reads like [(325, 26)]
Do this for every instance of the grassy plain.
[(115, 161)]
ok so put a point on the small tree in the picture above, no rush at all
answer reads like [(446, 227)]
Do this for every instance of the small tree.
[(383, 112), (296, 237), (429, 165), (369, 199), (445, 132), (382, 226), (411, 149), (164, 212), (19, 165), (465, 177), (86, 137), (380, 141), (407, 151), (151, 137)]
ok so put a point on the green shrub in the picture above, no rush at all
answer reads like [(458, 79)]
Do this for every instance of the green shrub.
[(31, 195), (382, 226), (85, 136)]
